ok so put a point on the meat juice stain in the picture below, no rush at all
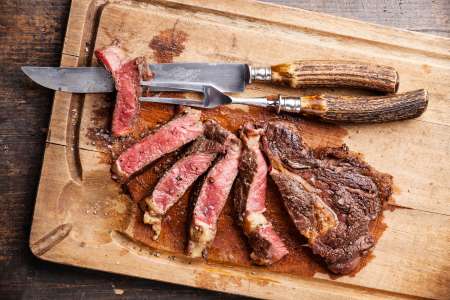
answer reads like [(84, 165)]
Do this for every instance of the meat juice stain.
[(156, 114), (109, 147), (168, 44), (391, 205)]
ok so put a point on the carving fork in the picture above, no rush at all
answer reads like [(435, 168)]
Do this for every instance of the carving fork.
[(349, 109)]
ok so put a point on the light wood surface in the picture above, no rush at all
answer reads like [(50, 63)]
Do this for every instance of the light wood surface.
[(82, 219)]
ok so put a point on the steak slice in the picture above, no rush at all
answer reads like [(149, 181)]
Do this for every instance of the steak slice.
[(184, 128), (330, 194), (249, 200), (212, 197), (196, 161), (127, 75)]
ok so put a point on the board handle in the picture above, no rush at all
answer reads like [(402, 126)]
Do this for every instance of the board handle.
[(359, 109), (330, 73)]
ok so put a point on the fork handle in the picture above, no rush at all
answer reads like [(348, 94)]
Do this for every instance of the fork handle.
[(330, 73), (361, 109)]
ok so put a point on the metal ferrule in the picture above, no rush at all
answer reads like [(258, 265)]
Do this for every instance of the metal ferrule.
[(287, 104), (260, 73), (261, 101)]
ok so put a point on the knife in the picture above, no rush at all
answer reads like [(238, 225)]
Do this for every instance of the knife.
[(227, 77)]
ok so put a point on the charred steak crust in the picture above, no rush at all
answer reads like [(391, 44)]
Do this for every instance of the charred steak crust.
[(127, 75), (185, 127), (174, 183), (330, 194), (213, 193), (249, 201)]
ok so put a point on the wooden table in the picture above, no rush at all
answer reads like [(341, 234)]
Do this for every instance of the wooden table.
[(31, 33)]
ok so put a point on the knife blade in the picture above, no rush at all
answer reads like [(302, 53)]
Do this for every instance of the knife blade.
[(226, 77), (230, 77)]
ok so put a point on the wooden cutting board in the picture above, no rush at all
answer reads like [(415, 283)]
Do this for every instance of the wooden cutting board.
[(82, 217)]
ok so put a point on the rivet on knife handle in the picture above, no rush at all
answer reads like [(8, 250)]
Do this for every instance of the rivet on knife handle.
[(360, 109), (329, 73)]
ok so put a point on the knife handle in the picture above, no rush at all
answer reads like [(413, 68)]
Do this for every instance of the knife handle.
[(330, 73), (360, 109)]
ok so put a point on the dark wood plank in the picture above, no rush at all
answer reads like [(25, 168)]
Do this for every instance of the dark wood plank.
[(31, 32), (417, 15)]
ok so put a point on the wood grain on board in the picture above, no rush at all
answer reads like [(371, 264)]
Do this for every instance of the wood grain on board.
[(90, 217)]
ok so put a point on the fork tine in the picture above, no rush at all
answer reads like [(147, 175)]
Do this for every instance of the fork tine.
[(172, 86), (175, 86), (164, 89), (186, 102)]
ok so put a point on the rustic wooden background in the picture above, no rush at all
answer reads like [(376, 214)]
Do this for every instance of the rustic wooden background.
[(31, 33)]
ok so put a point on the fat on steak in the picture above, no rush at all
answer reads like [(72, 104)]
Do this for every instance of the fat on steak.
[(249, 200), (172, 186), (127, 74), (329, 193), (182, 129), (211, 198)]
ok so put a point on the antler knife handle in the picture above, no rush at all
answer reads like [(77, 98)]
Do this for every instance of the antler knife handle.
[(329, 73), (361, 109)]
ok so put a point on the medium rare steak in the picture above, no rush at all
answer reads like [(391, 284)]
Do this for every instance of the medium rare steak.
[(182, 129), (249, 200), (330, 194), (183, 174), (127, 75), (211, 198)]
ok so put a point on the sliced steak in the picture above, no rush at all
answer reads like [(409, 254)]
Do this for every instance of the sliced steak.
[(212, 197), (249, 200), (183, 174), (184, 128), (127, 75), (330, 194)]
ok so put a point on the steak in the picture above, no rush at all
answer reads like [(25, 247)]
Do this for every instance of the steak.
[(249, 200), (196, 161), (127, 75), (184, 128), (329, 193), (211, 198)]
